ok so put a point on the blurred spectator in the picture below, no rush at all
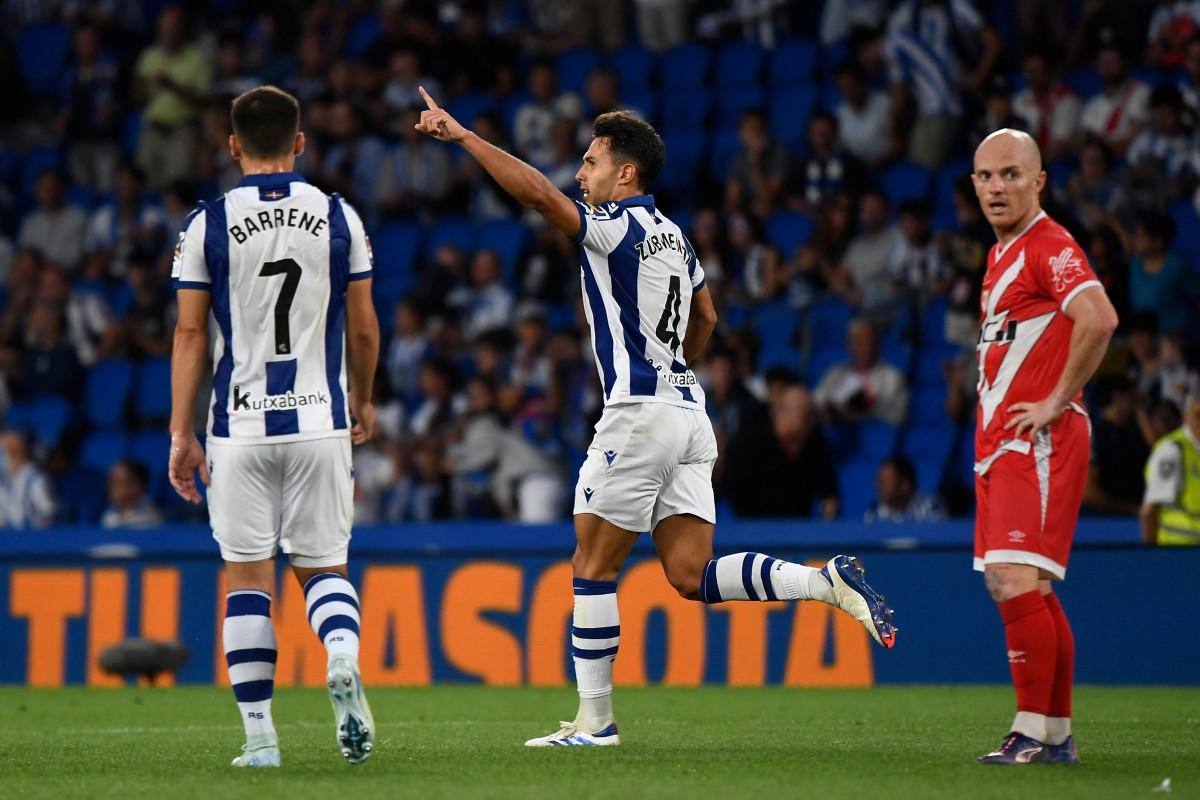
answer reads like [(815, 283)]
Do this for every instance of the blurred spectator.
[(357, 162), (405, 77), (783, 469), (917, 264), (1141, 334), (840, 17), (55, 229), (422, 492), (128, 505), (149, 320), (172, 81), (867, 259), (443, 285), (433, 417), (564, 161), (232, 78), (825, 170), (998, 110), (483, 62), (1170, 512), (529, 372), (819, 260), (216, 163), (89, 119), (1160, 281), (864, 117), (1095, 191), (48, 363), (1165, 156), (1173, 379), (26, 496), (759, 170), (1048, 106), (661, 24), (524, 484), (966, 248), (1115, 484), (1189, 80), (128, 224), (1106, 255), (484, 199), (601, 94), (310, 79), (491, 303), (730, 404), (935, 47), (535, 119), (897, 497), (1118, 113), (1173, 24), (865, 387), (89, 317), (416, 178), (407, 350)]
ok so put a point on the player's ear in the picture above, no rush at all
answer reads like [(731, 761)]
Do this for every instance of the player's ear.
[(235, 149), (627, 173), (1040, 181), (298, 145)]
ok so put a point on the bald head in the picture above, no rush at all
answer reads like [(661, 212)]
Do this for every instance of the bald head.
[(1011, 142)]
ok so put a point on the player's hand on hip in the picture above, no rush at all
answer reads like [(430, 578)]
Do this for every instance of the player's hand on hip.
[(1032, 417), (437, 122), (364, 422), (185, 458)]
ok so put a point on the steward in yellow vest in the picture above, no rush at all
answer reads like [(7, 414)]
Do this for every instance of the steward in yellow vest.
[(1171, 507)]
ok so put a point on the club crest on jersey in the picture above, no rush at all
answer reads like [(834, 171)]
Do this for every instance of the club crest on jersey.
[(1065, 268)]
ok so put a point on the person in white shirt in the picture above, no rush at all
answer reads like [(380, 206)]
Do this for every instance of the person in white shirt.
[(26, 497), (1048, 106), (55, 229), (1120, 111), (128, 505), (864, 117), (533, 124), (864, 387)]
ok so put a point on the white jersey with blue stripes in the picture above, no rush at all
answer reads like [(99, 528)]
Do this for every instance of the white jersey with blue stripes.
[(277, 255), (639, 273)]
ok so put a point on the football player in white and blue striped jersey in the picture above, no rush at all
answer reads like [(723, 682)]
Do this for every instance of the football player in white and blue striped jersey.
[(285, 272), (649, 466)]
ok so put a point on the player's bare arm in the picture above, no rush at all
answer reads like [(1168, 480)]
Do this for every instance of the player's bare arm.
[(519, 179), (362, 352), (1148, 523), (189, 358), (701, 322), (1094, 320)]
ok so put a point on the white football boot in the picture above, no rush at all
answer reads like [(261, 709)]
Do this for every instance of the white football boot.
[(259, 751), (855, 596), (355, 725), (571, 735)]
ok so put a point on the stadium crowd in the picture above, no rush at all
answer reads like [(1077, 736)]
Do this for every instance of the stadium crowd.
[(818, 153)]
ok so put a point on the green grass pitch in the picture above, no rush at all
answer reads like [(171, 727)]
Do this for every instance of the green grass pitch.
[(465, 742)]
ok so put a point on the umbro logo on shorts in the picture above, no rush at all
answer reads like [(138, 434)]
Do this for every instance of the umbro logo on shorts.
[(1016, 656), (1016, 536)]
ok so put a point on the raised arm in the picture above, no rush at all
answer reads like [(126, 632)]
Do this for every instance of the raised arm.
[(530, 187)]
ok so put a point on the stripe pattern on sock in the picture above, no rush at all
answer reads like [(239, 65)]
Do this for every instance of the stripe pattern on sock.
[(596, 627), (249, 641), (741, 576), (333, 613)]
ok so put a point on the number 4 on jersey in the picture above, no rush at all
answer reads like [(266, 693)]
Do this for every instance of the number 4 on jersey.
[(283, 304), (668, 324)]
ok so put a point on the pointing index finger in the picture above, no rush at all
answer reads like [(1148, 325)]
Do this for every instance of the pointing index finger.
[(429, 101)]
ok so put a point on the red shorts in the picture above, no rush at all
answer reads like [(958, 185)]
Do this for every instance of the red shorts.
[(1027, 499)]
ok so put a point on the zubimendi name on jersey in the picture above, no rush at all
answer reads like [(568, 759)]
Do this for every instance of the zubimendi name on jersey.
[(243, 401)]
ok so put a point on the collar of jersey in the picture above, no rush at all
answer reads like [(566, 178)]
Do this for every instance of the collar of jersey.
[(270, 179), (646, 200)]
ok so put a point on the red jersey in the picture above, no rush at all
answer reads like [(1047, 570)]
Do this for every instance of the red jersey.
[(1025, 333)]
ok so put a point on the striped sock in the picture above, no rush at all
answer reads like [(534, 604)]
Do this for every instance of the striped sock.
[(249, 641), (595, 636), (332, 607), (754, 576)]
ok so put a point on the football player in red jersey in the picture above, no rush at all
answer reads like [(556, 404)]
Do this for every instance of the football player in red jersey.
[(1046, 322)]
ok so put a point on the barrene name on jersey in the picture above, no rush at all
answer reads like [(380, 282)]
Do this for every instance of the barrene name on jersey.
[(277, 218)]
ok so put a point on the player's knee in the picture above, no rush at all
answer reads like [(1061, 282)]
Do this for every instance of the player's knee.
[(685, 578), (1006, 581), (593, 566)]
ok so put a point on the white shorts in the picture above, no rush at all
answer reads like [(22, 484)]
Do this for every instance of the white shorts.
[(297, 496), (647, 462)]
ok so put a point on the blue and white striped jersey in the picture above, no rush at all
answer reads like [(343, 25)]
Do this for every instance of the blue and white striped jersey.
[(930, 48), (639, 272), (277, 255)]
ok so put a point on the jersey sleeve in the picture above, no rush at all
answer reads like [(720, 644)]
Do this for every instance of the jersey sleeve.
[(695, 270), (189, 270), (362, 260), (1164, 471), (601, 228), (1062, 269)]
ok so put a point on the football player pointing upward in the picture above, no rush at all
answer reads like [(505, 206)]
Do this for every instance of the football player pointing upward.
[(649, 466), (1046, 325)]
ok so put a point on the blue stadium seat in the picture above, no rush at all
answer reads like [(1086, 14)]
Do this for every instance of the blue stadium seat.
[(684, 150), (152, 396), (41, 53), (725, 147), (856, 485), (634, 65), (642, 101), (561, 316), (738, 65), (35, 162), (81, 496), (1085, 82), (684, 109), (150, 448), (793, 63), (944, 218), (930, 442), (788, 230), (821, 359), (905, 180), (509, 107), (106, 392), (48, 419), (732, 104), (573, 67), (684, 66), (363, 32), (877, 440), (683, 218), (775, 324), (897, 353), (1187, 228), (455, 231), (507, 238), (467, 107), (828, 321), (102, 449), (933, 322), (842, 440), (789, 111), (930, 365), (395, 246), (927, 405)]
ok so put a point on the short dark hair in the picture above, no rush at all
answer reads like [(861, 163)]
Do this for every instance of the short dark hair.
[(632, 139), (266, 120), (904, 468), (137, 471)]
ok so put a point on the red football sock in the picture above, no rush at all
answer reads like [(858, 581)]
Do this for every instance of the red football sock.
[(1064, 660), (1032, 644)]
